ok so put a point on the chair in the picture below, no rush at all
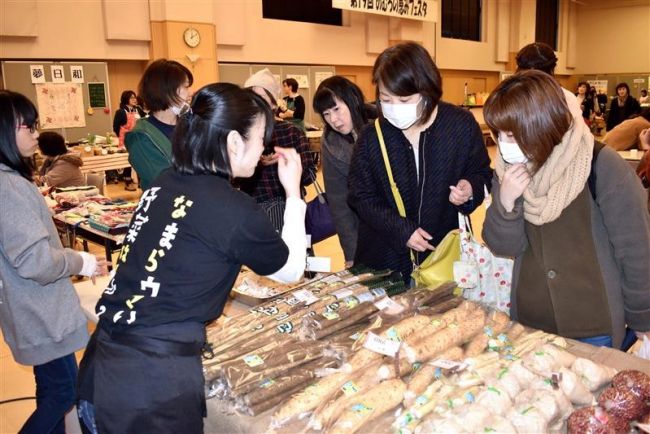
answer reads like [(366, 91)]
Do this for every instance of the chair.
[(98, 179)]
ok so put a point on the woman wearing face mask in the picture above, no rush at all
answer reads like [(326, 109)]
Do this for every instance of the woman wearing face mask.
[(341, 105), (571, 212), (165, 90), (438, 159), (190, 236)]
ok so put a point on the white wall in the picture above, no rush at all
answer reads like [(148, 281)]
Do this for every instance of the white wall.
[(613, 39)]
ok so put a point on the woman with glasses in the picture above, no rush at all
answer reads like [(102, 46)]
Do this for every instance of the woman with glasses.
[(40, 316), (189, 238), (165, 89)]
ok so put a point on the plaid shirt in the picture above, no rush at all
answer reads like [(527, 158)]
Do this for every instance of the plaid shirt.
[(265, 184)]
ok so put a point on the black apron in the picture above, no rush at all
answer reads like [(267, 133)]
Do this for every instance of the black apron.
[(145, 382)]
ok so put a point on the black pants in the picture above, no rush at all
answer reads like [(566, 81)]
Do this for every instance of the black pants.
[(140, 384)]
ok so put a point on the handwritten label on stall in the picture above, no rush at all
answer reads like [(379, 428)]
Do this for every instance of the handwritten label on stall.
[(381, 345)]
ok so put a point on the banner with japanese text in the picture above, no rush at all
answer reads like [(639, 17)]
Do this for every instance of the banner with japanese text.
[(422, 10)]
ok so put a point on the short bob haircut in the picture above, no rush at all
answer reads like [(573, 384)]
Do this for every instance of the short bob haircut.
[(199, 144), (52, 144), (160, 83), (126, 97), (623, 85), (532, 106), (15, 110), (406, 69), (539, 56), (292, 83), (584, 83), (346, 91)]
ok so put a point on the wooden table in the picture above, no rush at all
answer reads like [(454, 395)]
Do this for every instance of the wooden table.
[(100, 163), (84, 231)]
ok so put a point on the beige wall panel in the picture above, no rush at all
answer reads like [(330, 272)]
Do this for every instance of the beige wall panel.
[(71, 29), (230, 15), (361, 76), (124, 75), (126, 19), (613, 40), (18, 18), (502, 45), (200, 11), (376, 33), (453, 83)]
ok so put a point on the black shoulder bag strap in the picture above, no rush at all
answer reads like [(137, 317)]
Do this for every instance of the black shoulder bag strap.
[(591, 181)]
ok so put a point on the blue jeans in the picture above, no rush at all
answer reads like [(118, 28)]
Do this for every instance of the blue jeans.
[(56, 383), (598, 341)]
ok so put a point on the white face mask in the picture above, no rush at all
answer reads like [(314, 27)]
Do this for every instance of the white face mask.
[(511, 152), (401, 116), (180, 109)]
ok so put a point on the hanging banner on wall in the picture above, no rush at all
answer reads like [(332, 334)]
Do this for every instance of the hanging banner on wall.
[(600, 85), (60, 105), (320, 76), (76, 73), (37, 72), (57, 74), (422, 10)]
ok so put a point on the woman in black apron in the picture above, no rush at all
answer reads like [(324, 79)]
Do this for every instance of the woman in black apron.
[(190, 235)]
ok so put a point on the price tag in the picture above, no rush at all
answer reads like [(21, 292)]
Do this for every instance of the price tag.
[(365, 297), (253, 360), (446, 364), (381, 345), (351, 279), (378, 292), (361, 408), (388, 304), (333, 278), (330, 315), (305, 296), (349, 388), (343, 293)]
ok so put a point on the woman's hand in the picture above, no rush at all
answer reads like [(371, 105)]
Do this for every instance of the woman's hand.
[(515, 181), (419, 241), (269, 160), (289, 170), (644, 139), (461, 192), (101, 269)]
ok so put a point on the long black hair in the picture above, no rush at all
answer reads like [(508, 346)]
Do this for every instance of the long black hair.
[(348, 92), (15, 110), (199, 145)]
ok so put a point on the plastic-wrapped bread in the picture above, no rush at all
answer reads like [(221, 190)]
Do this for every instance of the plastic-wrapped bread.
[(541, 362), (497, 322), (498, 424), (524, 375), (507, 381), (370, 405), (528, 420), (575, 389), (307, 399), (561, 356), (542, 400), (636, 381), (424, 376), (472, 417), (495, 400), (592, 374), (440, 426), (515, 331)]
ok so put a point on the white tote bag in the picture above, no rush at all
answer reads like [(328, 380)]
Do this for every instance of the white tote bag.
[(483, 276)]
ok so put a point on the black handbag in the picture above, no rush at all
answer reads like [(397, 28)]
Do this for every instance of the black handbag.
[(318, 218)]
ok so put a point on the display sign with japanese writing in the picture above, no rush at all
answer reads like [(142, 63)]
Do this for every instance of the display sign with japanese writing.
[(97, 95), (57, 74), (37, 73), (76, 73), (423, 10)]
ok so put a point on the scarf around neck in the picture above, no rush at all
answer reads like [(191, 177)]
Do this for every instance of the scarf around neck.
[(560, 179)]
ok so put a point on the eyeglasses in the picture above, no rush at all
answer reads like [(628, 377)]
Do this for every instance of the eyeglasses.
[(32, 128)]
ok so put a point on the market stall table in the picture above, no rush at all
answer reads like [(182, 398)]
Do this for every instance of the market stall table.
[(86, 232)]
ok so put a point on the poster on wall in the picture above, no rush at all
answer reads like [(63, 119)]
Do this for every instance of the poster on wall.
[(60, 105), (321, 76), (37, 73), (302, 79), (599, 85), (422, 10), (97, 95), (57, 74), (77, 73)]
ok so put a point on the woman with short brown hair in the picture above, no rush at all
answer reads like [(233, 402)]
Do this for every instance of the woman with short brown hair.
[(437, 156), (571, 213)]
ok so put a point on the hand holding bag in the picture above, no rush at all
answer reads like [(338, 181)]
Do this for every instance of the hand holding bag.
[(318, 218), (483, 276), (437, 268)]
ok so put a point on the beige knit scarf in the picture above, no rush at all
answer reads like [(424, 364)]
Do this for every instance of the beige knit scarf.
[(560, 179)]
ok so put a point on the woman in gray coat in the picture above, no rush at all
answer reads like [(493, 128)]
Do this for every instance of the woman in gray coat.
[(340, 104), (41, 320), (573, 215)]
